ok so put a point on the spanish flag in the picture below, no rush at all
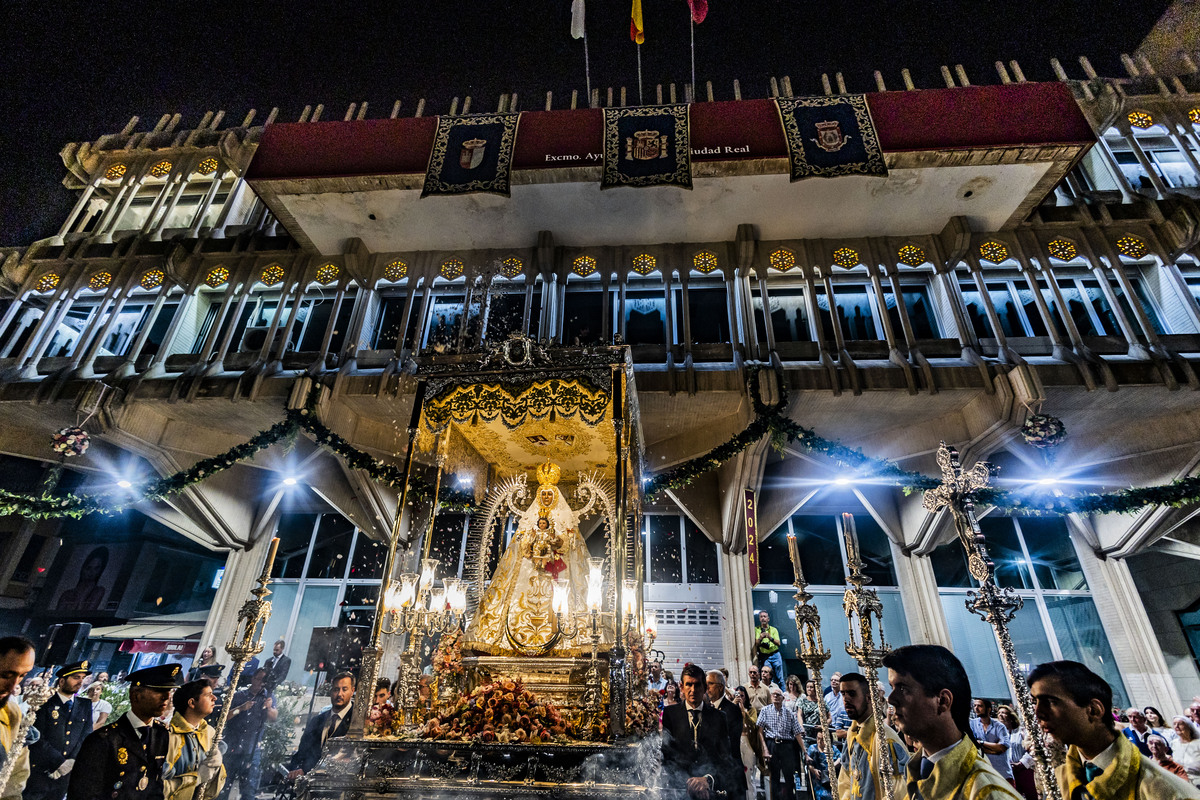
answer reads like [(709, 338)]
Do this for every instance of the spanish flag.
[(637, 31)]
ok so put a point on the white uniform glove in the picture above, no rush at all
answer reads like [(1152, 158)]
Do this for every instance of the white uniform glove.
[(64, 769)]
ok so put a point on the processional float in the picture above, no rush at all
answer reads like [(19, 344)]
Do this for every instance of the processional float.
[(537, 640)]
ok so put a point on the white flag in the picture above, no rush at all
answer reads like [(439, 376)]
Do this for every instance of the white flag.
[(577, 28)]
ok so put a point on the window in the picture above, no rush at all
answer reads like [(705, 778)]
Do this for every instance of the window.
[(701, 554), (664, 550), (645, 317), (669, 552), (919, 309), (789, 315), (583, 317), (1015, 307), (709, 315), (1034, 556)]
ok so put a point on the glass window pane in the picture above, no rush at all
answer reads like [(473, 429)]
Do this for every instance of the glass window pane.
[(369, 555), (583, 316), (665, 566), (820, 556), (1029, 637), (341, 325), (1005, 551), (295, 535), (975, 645), (317, 608), (1144, 301), (311, 322), (1037, 325), (161, 323), (774, 563), (1054, 559), (875, 551), (701, 555), (919, 309), (1095, 297), (283, 601), (1076, 307), (854, 311), (505, 314), (1081, 638), (645, 318), (444, 322), (389, 321), (447, 542), (332, 546), (358, 604), (789, 315), (709, 315), (949, 564)]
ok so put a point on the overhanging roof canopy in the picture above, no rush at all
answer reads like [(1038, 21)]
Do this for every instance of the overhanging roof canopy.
[(989, 153)]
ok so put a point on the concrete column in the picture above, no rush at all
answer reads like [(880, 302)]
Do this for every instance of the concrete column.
[(765, 297), (156, 365), (1006, 356), (235, 192), (1135, 648), (1143, 159), (919, 595), (205, 204), (135, 350), (242, 568), (738, 612), (84, 198)]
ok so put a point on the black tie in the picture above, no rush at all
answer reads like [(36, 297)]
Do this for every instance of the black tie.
[(924, 768), (68, 705)]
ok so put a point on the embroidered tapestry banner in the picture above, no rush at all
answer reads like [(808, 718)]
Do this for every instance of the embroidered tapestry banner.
[(471, 154), (830, 136), (647, 146)]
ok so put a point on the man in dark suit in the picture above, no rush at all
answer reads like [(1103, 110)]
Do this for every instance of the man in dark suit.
[(124, 759), (330, 723), (277, 666), (62, 722), (715, 681), (695, 742)]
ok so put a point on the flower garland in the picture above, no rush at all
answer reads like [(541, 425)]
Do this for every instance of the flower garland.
[(768, 421)]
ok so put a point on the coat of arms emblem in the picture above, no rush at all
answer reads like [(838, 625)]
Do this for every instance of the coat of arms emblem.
[(646, 145), (830, 137), (472, 152)]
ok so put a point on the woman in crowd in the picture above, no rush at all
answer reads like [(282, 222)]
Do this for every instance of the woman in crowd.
[(670, 693), (809, 711), (101, 708), (208, 657), (752, 757), (1160, 751), (1187, 747), (792, 694), (1158, 723), (1023, 776)]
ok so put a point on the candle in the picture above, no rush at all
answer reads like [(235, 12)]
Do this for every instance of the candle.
[(794, 552), (408, 589), (630, 598), (270, 562), (561, 593), (652, 624), (595, 589), (850, 533), (428, 570)]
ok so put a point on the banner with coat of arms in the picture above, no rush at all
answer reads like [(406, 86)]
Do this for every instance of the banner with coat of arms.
[(647, 146), (830, 136), (471, 154)]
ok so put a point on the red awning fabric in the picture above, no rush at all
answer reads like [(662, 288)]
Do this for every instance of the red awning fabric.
[(158, 646)]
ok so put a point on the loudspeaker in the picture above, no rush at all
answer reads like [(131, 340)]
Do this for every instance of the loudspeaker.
[(64, 644), (336, 649)]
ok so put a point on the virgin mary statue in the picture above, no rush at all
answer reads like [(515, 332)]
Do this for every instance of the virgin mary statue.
[(515, 616)]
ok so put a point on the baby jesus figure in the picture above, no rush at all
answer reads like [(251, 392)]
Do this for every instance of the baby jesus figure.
[(544, 548)]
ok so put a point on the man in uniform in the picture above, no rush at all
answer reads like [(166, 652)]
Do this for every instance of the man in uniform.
[(1074, 705), (859, 777), (188, 764), (16, 660), (124, 759), (63, 722)]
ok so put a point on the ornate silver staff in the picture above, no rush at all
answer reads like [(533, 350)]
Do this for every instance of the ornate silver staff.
[(34, 698), (993, 604), (245, 643), (812, 650), (864, 611)]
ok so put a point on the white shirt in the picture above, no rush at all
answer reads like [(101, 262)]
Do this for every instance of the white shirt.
[(1105, 756), (940, 754), (136, 722), (339, 715)]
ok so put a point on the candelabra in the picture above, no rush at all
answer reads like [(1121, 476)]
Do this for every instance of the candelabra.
[(413, 605), (245, 643), (569, 627), (35, 697), (864, 611), (991, 603), (812, 650)]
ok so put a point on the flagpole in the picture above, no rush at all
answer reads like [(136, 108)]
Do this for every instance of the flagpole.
[(641, 101), (587, 69), (692, 27)]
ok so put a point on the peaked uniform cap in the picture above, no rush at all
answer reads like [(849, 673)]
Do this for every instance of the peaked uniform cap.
[(163, 676), (76, 668)]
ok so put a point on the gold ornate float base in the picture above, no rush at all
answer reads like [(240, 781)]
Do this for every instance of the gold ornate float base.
[(562, 681)]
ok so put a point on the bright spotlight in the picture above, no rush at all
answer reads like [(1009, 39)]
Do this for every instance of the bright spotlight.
[(125, 484), (289, 481), (842, 481), (1047, 481)]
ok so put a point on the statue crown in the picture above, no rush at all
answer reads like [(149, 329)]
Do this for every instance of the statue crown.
[(548, 474)]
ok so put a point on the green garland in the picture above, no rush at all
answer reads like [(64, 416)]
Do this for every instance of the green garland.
[(768, 421)]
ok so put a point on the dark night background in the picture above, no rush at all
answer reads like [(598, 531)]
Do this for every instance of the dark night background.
[(74, 71)]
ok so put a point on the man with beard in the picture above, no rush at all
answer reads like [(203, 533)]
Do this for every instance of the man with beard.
[(932, 698), (62, 724), (16, 661), (253, 707), (695, 742), (860, 777), (329, 724)]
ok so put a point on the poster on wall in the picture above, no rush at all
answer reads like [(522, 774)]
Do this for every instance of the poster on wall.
[(752, 535), (88, 577)]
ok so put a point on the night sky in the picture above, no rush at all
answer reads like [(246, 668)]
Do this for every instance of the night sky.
[(74, 71)]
